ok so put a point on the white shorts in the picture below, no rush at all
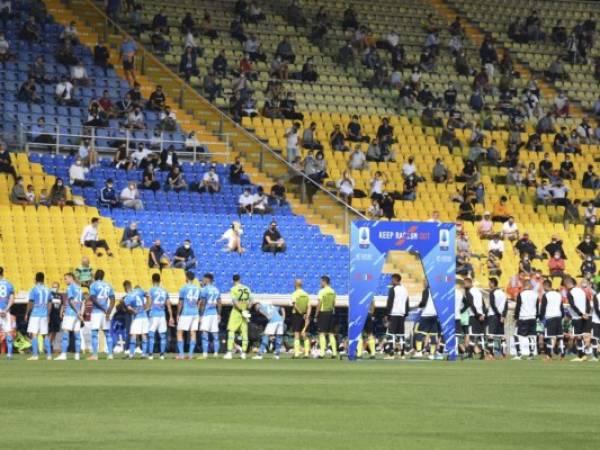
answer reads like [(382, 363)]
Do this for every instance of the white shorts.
[(98, 321), (139, 326), (71, 323), (210, 323), (158, 324), (274, 329), (188, 323), (7, 323), (38, 325)]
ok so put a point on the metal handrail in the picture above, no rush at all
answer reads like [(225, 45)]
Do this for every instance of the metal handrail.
[(225, 118)]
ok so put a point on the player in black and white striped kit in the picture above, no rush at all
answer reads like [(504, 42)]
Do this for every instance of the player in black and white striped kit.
[(477, 313), (551, 314), (397, 309), (596, 325), (526, 312), (495, 318), (580, 313)]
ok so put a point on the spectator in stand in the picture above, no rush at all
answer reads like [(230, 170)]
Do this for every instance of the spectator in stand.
[(309, 139), (556, 266), (345, 186), (291, 135), (285, 50), (567, 169), (6, 165), (496, 246), (543, 194), (273, 242), (90, 238), (278, 193), (261, 202), (590, 218), (188, 66), (555, 245), (130, 197), (220, 64), (237, 174), (184, 257), (561, 105), (233, 236), (102, 56), (589, 180), (485, 229), (168, 120), (108, 195), (127, 53), (87, 154), (253, 48), (175, 180), (18, 195), (588, 267), (288, 108), (337, 139), (255, 14), (58, 193), (5, 53), (559, 193), (157, 99), (77, 174), (500, 212), (510, 230), (149, 181), (28, 92), (30, 31), (374, 212), (157, 258), (357, 159), (142, 156), (210, 181), (211, 87), (525, 246), (131, 237), (561, 141), (246, 202), (387, 205), (38, 72), (587, 247), (135, 119), (354, 131)]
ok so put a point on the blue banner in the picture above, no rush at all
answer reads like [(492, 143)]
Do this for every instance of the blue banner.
[(370, 243)]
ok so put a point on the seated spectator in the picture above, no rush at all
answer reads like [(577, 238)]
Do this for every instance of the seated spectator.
[(561, 105), (58, 193), (149, 181), (309, 139), (210, 181), (38, 73), (246, 202), (142, 156), (587, 247), (255, 14), (485, 229), (237, 174), (410, 188), (131, 237), (246, 68), (193, 145), (206, 26), (90, 238), (377, 184), (285, 50), (375, 153), (588, 267), (126, 106), (219, 65), (233, 236), (493, 265), (374, 212), (121, 159), (278, 193), (79, 75), (18, 196), (188, 24), (5, 53), (567, 169), (534, 143), (555, 246), (253, 48), (130, 197), (160, 42), (560, 193), (309, 73), (108, 195), (168, 119), (463, 266), (157, 99), (288, 108), (556, 265), (175, 180), (63, 93), (30, 31), (462, 240), (543, 194), (354, 131), (236, 30), (87, 153), (96, 117), (337, 139), (510, 230), (585, 131), (6, 165), (28, 92), (531, 175), (69, 33), (525, 265), (272, 240), (500, 212), (135, 120), (574, 143), (77, 174), (136, 95), (492, 154), (357, 159), (315, 167), (556, 71), (66, 55), (466, 209), (345, 186), (184, 257), (561, 141), (261, 202), (590, 218), (188, 65), (157, 258), (559, 33), (525, 246), (102, 57), (496, 246), (589, 181)]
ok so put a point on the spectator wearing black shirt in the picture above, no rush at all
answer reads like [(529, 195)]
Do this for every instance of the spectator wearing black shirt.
[(587, 247), (545, 167), (525, 246), (337, 139), (135, 94), (590, 180), (184, 257), (220, 64), (450, 96), (131, 237), (387, 205), (157, 99), (188, 66), (560, 141), (567, 169), (555, 246), (5, 161), (101, 57), (188, 24), (272, 240), (354, 132), (157, 258), (236, 173), (278, 192)]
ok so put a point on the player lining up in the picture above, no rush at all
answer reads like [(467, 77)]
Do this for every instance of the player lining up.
[(397, 309), (495, 318), (137, 304), (210, 307), (159, 301), (325, 318), (102, 296), (7, 299), (239, 317), (37, 316), (526, 313), (72, 314), (188, 315), (552, 313)]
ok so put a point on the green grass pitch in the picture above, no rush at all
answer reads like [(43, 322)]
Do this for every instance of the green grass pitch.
[(307, 404)]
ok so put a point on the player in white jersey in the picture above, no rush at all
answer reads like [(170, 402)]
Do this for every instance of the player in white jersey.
[(551, 314), (526, 312), (7, 299), (580, 309), (496, 316), (596, 325), (477, 312)]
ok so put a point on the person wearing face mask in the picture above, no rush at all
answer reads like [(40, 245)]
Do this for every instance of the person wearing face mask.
[(272, 240), (210, 181), (556, 265), (130, 197), (587, 247), (246, 202), (108, 195), (588, 267), (77, 174), (58, 193), (184, 257), (18, 196)]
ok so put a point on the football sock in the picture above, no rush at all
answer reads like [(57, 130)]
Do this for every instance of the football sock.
[(95, 342), (163, 343), (204, 342), (65, 342)]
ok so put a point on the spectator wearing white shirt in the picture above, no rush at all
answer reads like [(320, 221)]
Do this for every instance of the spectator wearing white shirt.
[(345, 187), (378, 185), (5, 53), (210, 181), (64, 93), (559, 193), (291, 136), (510, 230), (142, 156), (130, 197), (261, 202), (246, 202), (357, 159), (252, 47), (409, 168), (233, 236), (90, 238), (79, 74), (189, 41), (69, 33), (77, 174), (374, 212), (168, 119), (496, 246), (135, 119), (87, 154)]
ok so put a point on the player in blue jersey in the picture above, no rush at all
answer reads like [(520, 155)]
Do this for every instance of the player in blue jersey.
[(102, 296), (274, 328), (7, 299), (188, 315), (137, 305), (72, 317), (37, 316), (159, 301), (210, 305)]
